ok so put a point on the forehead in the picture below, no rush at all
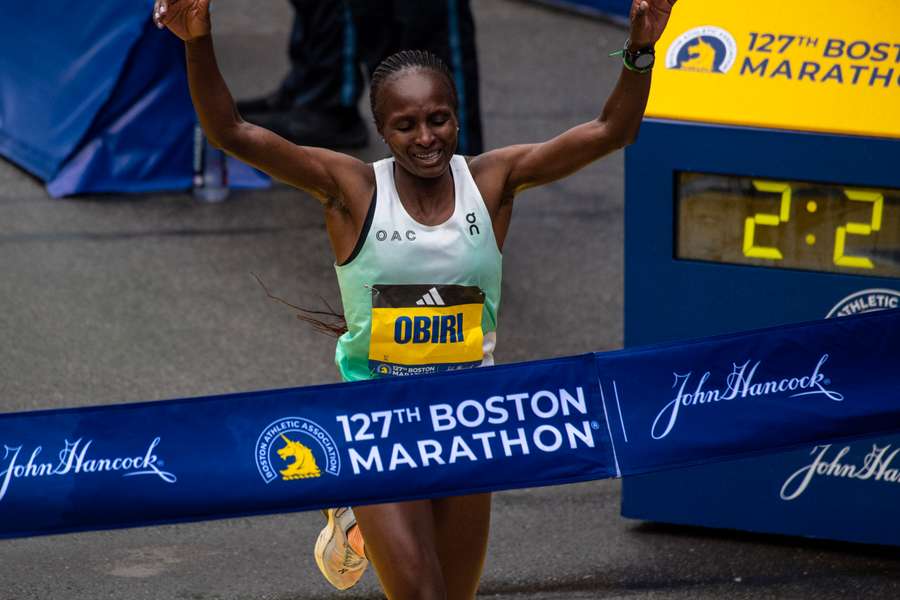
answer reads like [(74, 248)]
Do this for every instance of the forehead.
[(412, 90)]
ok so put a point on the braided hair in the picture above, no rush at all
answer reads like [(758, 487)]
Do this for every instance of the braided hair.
[(402, 61)]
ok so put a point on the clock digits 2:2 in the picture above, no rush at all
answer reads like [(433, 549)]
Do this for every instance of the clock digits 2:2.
[(841, 259)]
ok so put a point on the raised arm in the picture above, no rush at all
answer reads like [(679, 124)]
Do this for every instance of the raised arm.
[(509, 170), (329, 176)]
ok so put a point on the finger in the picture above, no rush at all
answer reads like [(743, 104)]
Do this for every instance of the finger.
[(156, 21), (163, 12)]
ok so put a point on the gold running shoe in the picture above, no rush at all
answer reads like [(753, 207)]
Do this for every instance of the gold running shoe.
[(339, 563)]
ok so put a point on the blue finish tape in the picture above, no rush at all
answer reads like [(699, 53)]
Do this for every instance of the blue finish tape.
[(531, 424)]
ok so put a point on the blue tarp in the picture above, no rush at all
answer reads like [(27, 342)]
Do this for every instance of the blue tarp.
[(97, 100)]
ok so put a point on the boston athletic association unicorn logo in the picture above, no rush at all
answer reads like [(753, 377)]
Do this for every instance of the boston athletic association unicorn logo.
[(304, 465), (296, 449), (706, 49)]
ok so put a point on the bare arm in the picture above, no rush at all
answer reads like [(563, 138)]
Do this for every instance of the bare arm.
[(327, 175), (509, 170)]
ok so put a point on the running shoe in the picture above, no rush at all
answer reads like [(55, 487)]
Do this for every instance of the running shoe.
[(339, 563)]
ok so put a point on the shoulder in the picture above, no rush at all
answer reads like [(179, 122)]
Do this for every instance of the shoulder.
[(351, 171), (491, 172), (353, 181), (354, 177)]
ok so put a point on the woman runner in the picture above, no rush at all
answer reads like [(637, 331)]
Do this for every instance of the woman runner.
[(417, 240)]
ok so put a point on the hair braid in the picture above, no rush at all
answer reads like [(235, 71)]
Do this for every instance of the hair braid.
[(402, 61)]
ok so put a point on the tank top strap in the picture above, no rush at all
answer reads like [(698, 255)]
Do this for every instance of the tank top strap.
[(468, 195), (385, 192)]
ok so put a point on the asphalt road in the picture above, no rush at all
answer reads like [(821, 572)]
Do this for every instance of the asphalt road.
[(122, 299)]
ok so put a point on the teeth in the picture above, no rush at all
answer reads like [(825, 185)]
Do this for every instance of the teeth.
[(429, 156)]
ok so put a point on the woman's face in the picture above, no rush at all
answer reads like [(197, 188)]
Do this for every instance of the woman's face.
[(418, 121)]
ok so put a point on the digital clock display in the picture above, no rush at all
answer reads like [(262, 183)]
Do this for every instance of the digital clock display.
[(788, 224)]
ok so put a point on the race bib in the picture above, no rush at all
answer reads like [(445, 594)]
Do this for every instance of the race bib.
[(420, 329)]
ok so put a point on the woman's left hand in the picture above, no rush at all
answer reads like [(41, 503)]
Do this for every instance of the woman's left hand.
[(648, 20)]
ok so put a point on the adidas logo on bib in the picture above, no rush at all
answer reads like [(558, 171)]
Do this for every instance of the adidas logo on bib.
[(431, 298)]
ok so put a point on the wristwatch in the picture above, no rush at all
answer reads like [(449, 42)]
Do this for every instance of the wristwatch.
[(639, 61)]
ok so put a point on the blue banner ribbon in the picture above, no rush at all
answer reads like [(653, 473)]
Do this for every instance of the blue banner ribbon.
[(524, 425)]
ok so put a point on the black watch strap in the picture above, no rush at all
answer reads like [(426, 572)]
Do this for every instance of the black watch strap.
[(639, 61)]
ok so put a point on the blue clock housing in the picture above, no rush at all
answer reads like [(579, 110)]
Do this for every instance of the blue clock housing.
[(670, 299)]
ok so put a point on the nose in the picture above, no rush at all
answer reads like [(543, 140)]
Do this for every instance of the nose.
[(424, 135)]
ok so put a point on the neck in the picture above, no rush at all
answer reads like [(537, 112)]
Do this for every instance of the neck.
[(428, 200)]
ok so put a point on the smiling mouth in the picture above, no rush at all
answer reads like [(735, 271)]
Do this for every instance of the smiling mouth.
[(428, 157)]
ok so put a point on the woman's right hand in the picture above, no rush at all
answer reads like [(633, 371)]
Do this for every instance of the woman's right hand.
[(188, 19)]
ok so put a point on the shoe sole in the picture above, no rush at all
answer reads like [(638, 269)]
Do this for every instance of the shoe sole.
[(325, 538), (322, 541)]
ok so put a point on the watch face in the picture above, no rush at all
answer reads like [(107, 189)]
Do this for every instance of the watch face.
[(642, 61)]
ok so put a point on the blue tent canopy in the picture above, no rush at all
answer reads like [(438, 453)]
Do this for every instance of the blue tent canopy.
[(98, 101)]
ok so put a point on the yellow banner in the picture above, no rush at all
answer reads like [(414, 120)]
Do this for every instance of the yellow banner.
[(427, 335), (825, 65)]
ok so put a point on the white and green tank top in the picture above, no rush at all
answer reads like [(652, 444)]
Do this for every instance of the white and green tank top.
[(420, 298)]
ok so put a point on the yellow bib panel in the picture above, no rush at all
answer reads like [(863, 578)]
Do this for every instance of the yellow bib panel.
[(420, 329)]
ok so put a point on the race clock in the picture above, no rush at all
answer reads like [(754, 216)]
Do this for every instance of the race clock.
[(823, 227), (765, 189)]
